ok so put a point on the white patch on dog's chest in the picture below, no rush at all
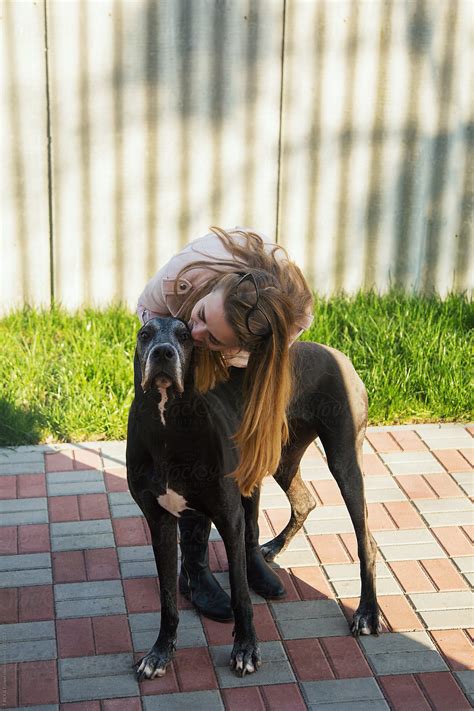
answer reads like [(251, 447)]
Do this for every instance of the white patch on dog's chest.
[(173, 502), (162, 405)]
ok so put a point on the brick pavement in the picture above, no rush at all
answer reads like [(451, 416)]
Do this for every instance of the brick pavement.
[(79, 599)]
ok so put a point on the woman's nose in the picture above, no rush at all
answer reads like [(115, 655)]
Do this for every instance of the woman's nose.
[(198, 333)]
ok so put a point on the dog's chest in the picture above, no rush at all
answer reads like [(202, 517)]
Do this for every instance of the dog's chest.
[(173, 502)]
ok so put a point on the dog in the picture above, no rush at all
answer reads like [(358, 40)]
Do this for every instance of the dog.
[(180, 449)]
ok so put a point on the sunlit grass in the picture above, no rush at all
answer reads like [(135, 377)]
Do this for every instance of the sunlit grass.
[(68, 377)]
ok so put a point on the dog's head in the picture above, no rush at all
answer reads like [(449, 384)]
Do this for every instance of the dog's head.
[(164, 349)]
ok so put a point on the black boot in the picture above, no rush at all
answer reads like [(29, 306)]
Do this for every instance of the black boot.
[(196, 582), (260, 577)]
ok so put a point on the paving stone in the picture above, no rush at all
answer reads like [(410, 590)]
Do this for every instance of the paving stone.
[(122, 505), (344, 695), (465, 481), (27, 641), (104, 676), (146, 625), (15, 512), (223, 580), (447, 439), (413, 544), (466, 681), (137, 561), (26, 569), (89, 599), (21, 460), (446, 512), (465, 564), (89, 481), (412, 463), (310, 618), (345, 579), (113, 453), (274, 501), (445, 610), (328, 519), (192, 700), (402, 653), (76, 535), (275, 667), (43, 707), (315, 471)]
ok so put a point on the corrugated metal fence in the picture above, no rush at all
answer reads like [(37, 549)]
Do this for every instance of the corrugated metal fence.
[(339, 127)]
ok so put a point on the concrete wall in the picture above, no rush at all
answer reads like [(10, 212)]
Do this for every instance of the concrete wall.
[(341, 128)]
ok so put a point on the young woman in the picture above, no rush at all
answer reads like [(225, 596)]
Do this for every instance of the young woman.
[(246, 302)]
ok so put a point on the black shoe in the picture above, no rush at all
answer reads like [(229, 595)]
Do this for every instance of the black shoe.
[(196, 582), (261, 578)]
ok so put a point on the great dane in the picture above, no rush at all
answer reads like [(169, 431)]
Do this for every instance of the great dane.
[(179, 451)]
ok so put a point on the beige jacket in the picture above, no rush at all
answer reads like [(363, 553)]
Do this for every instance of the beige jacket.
[(159, 299)]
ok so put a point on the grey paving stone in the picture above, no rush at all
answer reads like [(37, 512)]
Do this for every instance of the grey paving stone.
[(89, 599), (315, 471), (402, 653), (314, 618), (104, 676), (445, 440), (413, 544), (328, 519), (397, 642), (466, 681), (274, 501), (345, 579), (78, 535), (89, 481), (192, 700), (447, 619), (25, 570), (46, 707), (113, 453), (145, 627), (16, 512), (343, 693), (27, 641), (412, 463), (442, 600), (25, 561), (275, 667), (137, 562), (21, 460), (122, 505), (465, 563), (378, 496), (465, 481), (446, 512), (296, 559)]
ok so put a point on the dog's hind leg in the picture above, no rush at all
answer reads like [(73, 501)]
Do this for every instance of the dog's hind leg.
[(344, 454), (288, 476)]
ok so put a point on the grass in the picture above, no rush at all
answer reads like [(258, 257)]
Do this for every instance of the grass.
[(68, 377)]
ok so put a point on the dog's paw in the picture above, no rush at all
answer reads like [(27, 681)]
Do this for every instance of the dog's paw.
[(271, 549), (154, 664), (366, 620), (245, 657)]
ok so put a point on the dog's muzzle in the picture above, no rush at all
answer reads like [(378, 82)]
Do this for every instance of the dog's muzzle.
[(162, 369)]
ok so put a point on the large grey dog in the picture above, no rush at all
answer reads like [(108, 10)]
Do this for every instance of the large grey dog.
[(179, 450)]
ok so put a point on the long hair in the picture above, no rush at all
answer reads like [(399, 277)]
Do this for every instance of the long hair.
[(284, 298)]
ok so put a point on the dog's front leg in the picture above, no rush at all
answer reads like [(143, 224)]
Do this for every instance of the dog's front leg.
[(163, 531), (245, 657)]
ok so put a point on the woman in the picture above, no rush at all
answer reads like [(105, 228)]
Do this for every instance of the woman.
[(245, 303)]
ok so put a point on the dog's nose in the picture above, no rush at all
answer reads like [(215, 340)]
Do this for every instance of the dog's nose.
[(164, 352)]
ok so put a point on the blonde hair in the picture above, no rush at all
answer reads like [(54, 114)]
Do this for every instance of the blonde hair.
[(284, 300)]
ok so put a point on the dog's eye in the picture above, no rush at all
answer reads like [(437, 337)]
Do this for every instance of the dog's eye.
[(144, 336), (184, 336)]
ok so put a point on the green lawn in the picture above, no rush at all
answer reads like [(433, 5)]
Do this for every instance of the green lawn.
[(69, 377)]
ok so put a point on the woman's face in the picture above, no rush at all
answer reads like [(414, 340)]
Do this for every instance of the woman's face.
[(208, 324)]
